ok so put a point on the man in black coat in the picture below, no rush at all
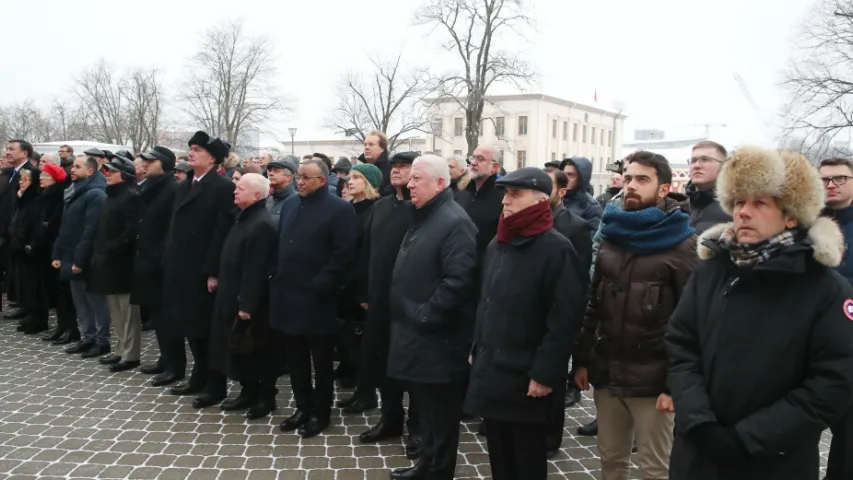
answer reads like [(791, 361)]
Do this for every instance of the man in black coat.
[(111, 272), (376, 154), (530, 271), (481, 200), (316, 249), (202, 216), (706, 161), (761, 344), (432, 314), (242, 344), (158, 200), (389, 220)]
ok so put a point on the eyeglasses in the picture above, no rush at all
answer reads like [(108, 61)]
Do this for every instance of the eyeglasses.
[(305, 178), (838, 180), (703, 159)]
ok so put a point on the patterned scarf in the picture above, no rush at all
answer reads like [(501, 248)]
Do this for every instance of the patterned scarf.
[(750, 255)]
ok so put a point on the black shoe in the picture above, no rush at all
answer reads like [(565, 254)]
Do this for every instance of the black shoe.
[(242, 402), (166, 378), (124, 366), (147, 326), (481, 429), (381, 431), (589, 430), (16, 314), (53, 336), (109, 359), (67, 337), (634, 448), (80, 347), (347, 401), (207, 400), (347, 382), (96, 351), (188, 388), (551, 454), (413, 447), (314, 427), (573, 397), (294, 421), (361, 405), (35, 327), (153, 369), (415, 472), (261, 409), (21, 327)]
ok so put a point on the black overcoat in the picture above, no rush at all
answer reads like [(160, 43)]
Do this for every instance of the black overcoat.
[(350, 310), (201, 218), (24, 272), (111, 270), (158, 200), (244, 271)]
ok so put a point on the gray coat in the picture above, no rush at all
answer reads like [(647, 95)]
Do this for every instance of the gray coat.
[(276, 200)]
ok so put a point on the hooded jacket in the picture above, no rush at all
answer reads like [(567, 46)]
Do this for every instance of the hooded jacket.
[(608, 195), (579, 201)]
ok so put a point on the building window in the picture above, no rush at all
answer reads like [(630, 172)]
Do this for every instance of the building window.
[(610, 138), (457, 152), (565, 130), (602, 138), (522, 158), (553, 156), (592, 138), (584, 134), (499, 127), (502, 157), (574, 132), (457, 127), (553, 129), (522, 126)]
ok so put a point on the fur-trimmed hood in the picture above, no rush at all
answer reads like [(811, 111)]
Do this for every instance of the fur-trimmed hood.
[(825, 238), (231, 161)]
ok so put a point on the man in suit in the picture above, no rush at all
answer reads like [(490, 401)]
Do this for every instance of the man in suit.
[(203, 214)]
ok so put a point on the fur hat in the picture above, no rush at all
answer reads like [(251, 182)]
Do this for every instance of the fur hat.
[(216, 147), (787, 176)]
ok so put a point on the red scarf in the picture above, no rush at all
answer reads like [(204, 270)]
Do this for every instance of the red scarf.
[(529, 222)]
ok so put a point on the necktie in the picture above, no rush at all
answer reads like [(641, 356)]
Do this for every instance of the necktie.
[(192, 185), (12, 176)]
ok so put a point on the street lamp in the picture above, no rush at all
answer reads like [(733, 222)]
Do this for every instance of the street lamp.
[(292, 131)]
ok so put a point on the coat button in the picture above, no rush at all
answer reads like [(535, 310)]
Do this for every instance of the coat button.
[(648, 308), (488, 299)]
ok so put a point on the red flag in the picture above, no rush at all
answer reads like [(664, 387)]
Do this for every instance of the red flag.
[(595, 95)]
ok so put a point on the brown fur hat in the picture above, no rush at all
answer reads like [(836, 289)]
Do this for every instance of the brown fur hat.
[(787, 176)]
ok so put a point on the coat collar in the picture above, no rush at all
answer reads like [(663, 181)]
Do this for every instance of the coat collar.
[(421, 214), (252, 210), (194, 192), (487, 186)]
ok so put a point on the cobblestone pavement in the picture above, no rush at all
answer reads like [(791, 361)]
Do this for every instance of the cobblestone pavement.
[(64, 417)]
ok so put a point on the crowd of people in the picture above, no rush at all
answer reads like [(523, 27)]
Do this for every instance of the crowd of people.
[(715, 326)]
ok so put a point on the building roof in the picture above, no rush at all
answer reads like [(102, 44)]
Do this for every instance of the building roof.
[(540, 97)]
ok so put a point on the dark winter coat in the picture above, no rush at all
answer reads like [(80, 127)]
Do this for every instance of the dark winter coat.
[(40, 290), (26, 265), (387, 224), (767, 351), (844, 218), (9, 183), (705, 209), (350, 309), (275, 201), (579, 201), (631, 298), (111, 271), (200, 222), (530, 310), (158, 201), (432, 291), (384, 166), (577, 231), (485, 208), (75, 242), (244, 272), (316, 249), (608, 195)]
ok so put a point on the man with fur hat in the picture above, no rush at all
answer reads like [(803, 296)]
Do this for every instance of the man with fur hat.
[(202, 215), (761, 345), (645, 259)]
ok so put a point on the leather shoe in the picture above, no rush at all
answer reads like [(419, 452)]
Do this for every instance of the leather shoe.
[(260, 409), (21, 327), (188, 388), (416, 472), (166, 378), (360, 405), (314, 427), (96, 351), (347, 401), (79, 347), (33, 328), (589, 430), (481, 428), (16, 314), (124, 366), (242, 402), (153, 369), (109, 359), (381, 431), (413, 447), (295, 421), (67, 338), (147, 326), (206, 400), (573, 397), (52, 336)]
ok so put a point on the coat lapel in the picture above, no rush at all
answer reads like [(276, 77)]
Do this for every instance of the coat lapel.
[(193, 192)]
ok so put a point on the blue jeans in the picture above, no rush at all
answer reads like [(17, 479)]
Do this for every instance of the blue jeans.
[(93, 314)]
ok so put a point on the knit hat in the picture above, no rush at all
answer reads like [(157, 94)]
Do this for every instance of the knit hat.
[(56, 172), (371, 173), (343, 165)]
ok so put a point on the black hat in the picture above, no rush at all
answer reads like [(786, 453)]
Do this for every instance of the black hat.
[(166, 157), (342, 165), (182, 167), (553, 164), (284, 163), (216, 147), (529, 177), (97, 152), (123, 165), (404, 157), (126, 154)]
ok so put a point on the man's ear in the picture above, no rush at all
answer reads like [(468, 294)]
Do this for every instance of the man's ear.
[(664, 190)]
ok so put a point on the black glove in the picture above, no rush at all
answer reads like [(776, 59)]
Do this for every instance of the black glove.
[(722, 443), (28, 250)]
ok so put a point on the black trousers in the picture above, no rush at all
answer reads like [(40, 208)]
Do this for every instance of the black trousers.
[(517, 451), (554, 437), (391, 394), (173, 355), (440, 413), (66, 314), (214, 383), (301, 352), (840, 464)]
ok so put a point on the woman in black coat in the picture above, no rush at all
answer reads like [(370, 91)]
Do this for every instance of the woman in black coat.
[(25, 283)]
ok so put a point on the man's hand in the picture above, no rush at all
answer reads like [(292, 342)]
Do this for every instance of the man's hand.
[(582, 378), (244, 315), (56, 264), (212, 283), (537, 390), (75, 269), (363, 305), (470, 360), (664, 404)]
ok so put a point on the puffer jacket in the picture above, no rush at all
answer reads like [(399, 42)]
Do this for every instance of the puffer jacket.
[(631, 299), (579, 201)]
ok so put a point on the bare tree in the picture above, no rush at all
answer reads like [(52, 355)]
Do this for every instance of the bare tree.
[(100, 93), (229, 87), (819, 79), (142, 94), (473, 30), (390, 100)]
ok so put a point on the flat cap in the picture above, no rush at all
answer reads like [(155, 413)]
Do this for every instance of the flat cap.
[(529, 177), (404, 157), (283, 163)]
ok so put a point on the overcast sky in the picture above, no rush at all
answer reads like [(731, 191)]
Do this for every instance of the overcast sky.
[(670, 61)]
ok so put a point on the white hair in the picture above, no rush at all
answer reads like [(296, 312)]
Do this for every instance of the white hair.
[(50, 158), (540, 194), (461, 161), (496, 154), (257, 183), (435, 166)]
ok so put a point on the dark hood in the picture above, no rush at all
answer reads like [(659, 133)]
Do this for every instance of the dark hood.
[(675, 201), (584, 167)]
